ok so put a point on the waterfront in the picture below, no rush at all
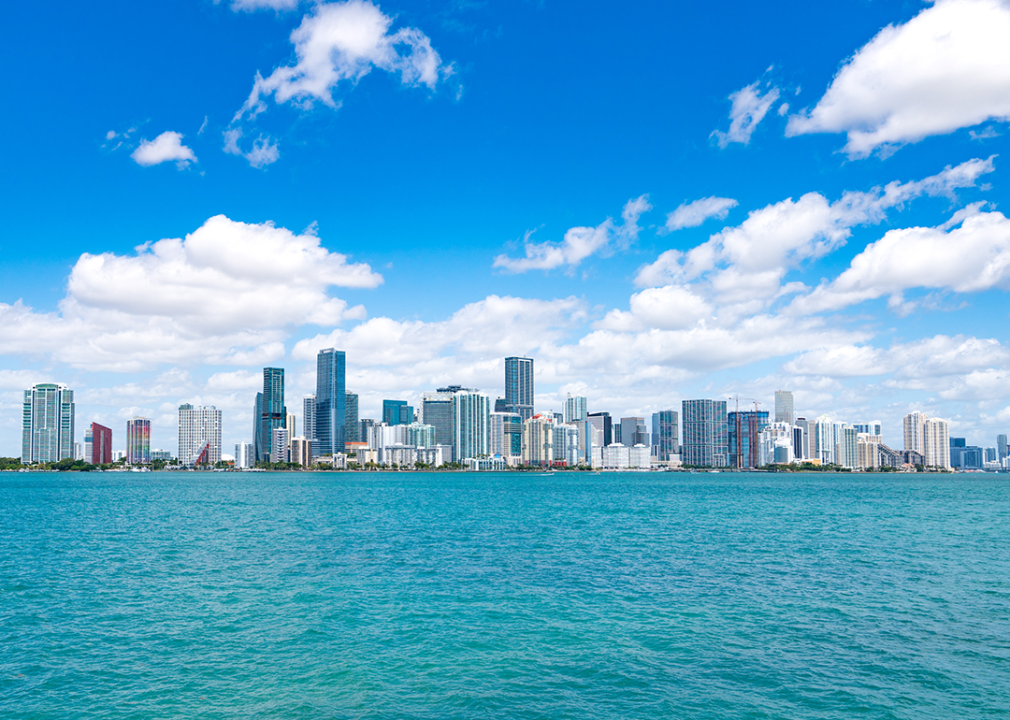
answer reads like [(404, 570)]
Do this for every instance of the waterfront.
[(221, 595)]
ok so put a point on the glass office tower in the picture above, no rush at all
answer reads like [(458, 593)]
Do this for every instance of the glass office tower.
[(331, 402)]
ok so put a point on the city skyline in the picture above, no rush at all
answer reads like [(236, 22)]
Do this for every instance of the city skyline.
[(754, 224)]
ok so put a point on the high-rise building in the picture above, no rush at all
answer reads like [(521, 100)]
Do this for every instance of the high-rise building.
[(565, 448), (351, 417), (576, 409), (279, 447), (437, 411), (873, 427), (397, 412), (101, 444), (634, 431), (742, 431), (138, 441), (665, 434), (244, 455), (199, 435), (47, 430), (471, 416), (704, 442), (538, 440), (499, 405), (291, 425), (601, 430), (801, 439), (309, 416), (1001, 447), (87, 444), (506, 434), (301, 451), (784, 406), (519, 386), (331, 402), (272, 412), (929, 437)]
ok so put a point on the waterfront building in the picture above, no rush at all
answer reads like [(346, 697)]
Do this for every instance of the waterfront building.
[(665, 434), (436, 410), (101, 444), (351, 418), (705, 438), (138, 441), (87, 444), (848, 448), (873, 427), (279, 450), (199, 435), (365, 426), (538, 440), (519, 386), (576, 409), (166, 455), (801, 440), (301, 451), (601, 431), (868, 451), (118, 455), (78, 451), (618, 456), (929, 437), (309, 416), (742, 432), (244, 455), (824, 442), (271, 412), (774, 444), (331, 402), (634, 431), (291, 425), (420, 435), (1001, 447), (471, 416), (565, 445), (784, 407), (397, 412), (47, 429), (506, 435)]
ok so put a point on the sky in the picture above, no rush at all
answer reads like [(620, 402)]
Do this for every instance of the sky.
[(655, 201)]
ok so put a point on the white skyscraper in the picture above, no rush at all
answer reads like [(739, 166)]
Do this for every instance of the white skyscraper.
[(199, 435), (784, 407), (576, 409), (47, 433), (471, 418), (244, 455), (928, 436)]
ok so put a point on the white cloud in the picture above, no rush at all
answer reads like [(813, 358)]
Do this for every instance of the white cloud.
[(970, 258), (947, 68), (746, 263), (228, 293), (748, 110), (579, 242), (673, 307), (164, 148), (342, 42), (264, 150), (695, 213)]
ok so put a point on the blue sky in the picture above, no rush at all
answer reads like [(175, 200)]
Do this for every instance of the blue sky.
[(440, 184)]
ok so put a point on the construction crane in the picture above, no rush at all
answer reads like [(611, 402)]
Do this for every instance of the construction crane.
[(739, 442)]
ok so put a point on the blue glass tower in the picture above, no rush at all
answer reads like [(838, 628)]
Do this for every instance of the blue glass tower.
[(331, 402), (271, 411)]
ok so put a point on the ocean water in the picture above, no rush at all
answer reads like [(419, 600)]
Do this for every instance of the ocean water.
[(184, 595)]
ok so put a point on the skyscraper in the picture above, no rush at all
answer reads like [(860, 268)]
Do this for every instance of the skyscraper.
[(929, 437), (784, 406), (309, 417), (331, 402), (437, 411), (519, 386), (506, 434), (1001, 447), (742, 432), (634, 431), (471, 416), (705, 442), (243, 455), (138, 441), (101, 444), (666, 434), (602, 431), (351, 417), (397, 412), (576, 409), (272, 412), (47, 430), (199, 435)]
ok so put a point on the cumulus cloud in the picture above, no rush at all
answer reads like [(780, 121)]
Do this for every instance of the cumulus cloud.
[(342, 42), (969, 258), (579, 242), (164, 148), (228, 293), (748, 110), (945, 69), (693, 214), (746, 263), (263, 152), (254, 5)]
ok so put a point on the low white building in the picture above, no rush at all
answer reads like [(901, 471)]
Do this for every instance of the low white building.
[(617, 456), (486, 464)]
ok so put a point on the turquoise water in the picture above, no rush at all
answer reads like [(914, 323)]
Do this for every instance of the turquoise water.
[(173, 595)]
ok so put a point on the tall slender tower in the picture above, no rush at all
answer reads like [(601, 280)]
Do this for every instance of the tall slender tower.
[(47, 432), (331, 402), (784, 406), (272, 411), (138, 441), (519, 386)]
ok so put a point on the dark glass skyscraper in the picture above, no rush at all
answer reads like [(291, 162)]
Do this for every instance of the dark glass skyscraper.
[(666, 434), (331, 401), (397, 412), (705, 442), (272, 412), (742, 430), (351, 418), (519, 386)]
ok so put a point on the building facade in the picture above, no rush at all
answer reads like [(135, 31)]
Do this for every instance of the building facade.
[(351, 415), (199, 435), (538, 440), (331, 402), (665, 434), (576, 409), (742, 431), (471, 415), (309, 416), (519, 386), (138, 441), (705, 440), (47, 430), (784, 407), (101, 444), (271, 412)]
